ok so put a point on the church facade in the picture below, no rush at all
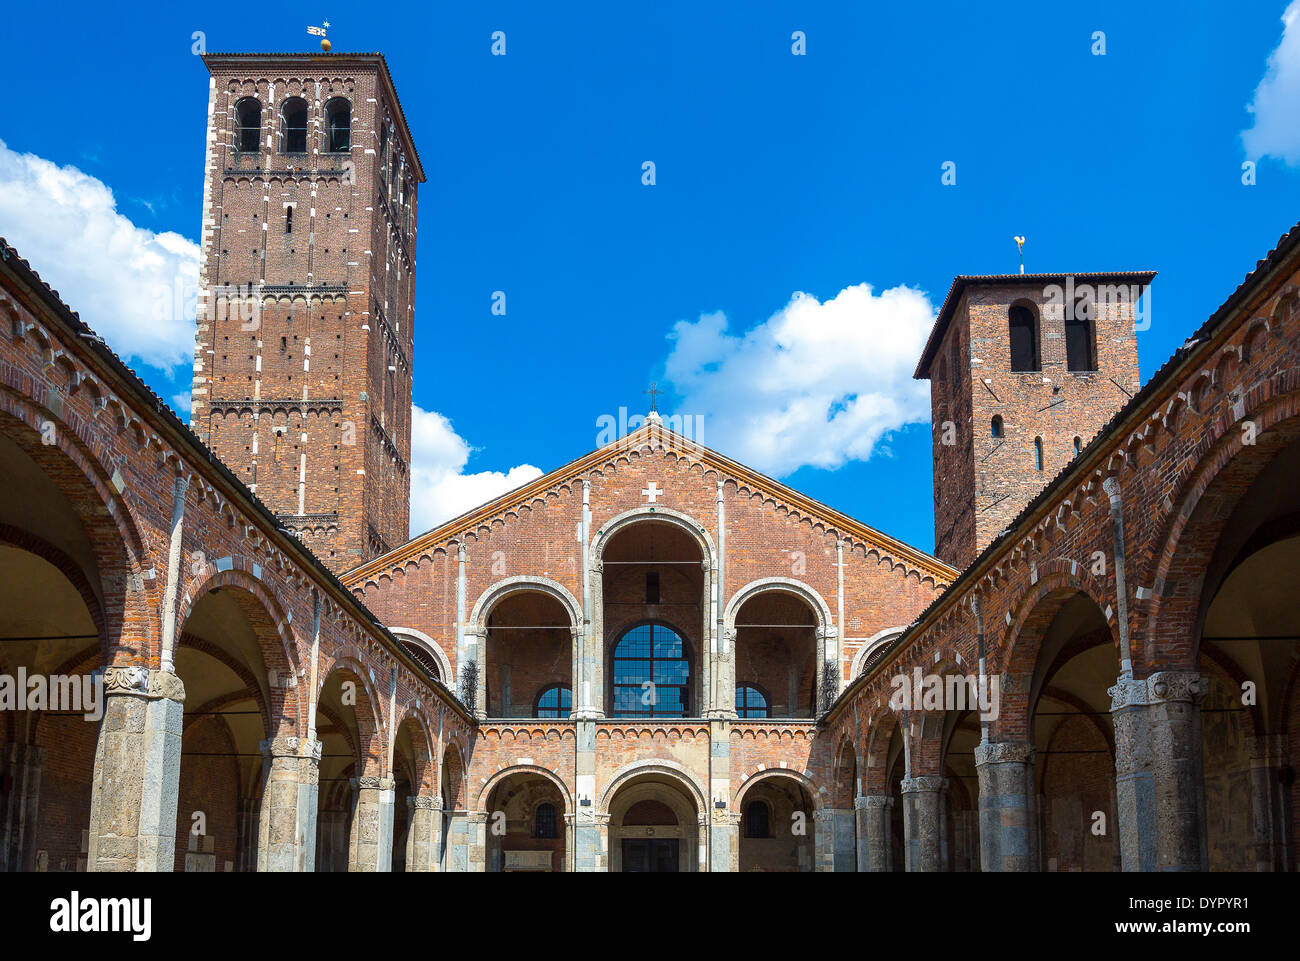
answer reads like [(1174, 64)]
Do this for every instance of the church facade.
[(652, 658)]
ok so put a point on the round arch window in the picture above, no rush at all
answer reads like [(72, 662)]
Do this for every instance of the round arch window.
[(751, 702), (652, 673), (554, 701)]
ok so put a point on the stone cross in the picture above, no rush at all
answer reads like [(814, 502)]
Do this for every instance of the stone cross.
[(652, 492)]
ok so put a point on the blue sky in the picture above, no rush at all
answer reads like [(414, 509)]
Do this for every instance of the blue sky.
[(775, 174)]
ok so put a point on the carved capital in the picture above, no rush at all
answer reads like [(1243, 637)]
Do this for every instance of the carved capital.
[(142, 682), (1160, 688), (1176, 686), (921, 785), (368, 783), (872, 802), (126, 680), (422, 803), (1127, 691), (1004, 752)]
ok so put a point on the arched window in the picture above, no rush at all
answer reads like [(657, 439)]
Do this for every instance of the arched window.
[(1078, 446), (293, 126), (758, 820), (997, 429), (545, 821), (1023, 323), (1078, 344), (248, 125), (554, 701), (651, 673), (338, 126), (751, 702), (383, 153), (1038, 453)]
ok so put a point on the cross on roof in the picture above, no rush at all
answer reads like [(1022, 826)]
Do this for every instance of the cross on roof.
[(653, 391)]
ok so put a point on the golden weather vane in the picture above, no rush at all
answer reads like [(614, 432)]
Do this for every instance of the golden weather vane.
[(320, 32)]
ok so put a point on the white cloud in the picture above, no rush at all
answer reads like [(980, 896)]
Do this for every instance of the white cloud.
[(1276, 105), (817, 384), (439, 488), (137, 288)]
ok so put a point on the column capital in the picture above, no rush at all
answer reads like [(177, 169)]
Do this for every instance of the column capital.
[(1004, 752), (424, 803), (143, 682), (866, 802), (369, 783), (919, 785), (1159, 688), (295, 747), (477, 817)]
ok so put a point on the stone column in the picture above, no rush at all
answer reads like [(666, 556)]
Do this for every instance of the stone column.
[(286, 831), (137, 773), (1006, 774), (476, 652), (844, 846), (724, 841), (710, 650), (1158, 787), (1268, 762), (570, 840), (370, 848), (727, 674), (702, 862), (20, 766), (593, 694), (922, 822), (875, 852), (476, 841), (591, 842), (422, 835), (873, 814)]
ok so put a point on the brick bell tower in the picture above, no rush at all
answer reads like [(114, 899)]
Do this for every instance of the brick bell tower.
[(1024, 369), (302, 366)]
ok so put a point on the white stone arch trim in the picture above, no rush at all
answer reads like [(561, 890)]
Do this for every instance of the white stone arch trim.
[(671, 769), (771, 773), (787, 585), (537, 770), (516, 584), (874, 642), (433, 647), (667, 515)]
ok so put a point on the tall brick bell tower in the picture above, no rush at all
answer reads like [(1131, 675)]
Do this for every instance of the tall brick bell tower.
[(302, 369), (1024, 369)]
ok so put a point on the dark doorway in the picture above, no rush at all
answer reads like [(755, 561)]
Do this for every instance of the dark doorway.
[(650, 855)]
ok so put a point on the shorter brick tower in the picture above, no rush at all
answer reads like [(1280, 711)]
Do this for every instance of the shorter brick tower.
[(1024, 369), (302, 368)]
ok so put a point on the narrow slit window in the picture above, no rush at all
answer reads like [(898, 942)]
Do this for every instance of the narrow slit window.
[(1038, 453)]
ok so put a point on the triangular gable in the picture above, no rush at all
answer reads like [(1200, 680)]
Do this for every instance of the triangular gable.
[(655, 436)]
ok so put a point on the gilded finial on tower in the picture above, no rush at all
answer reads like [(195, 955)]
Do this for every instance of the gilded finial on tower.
[(320, 32), (1020, 245)]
